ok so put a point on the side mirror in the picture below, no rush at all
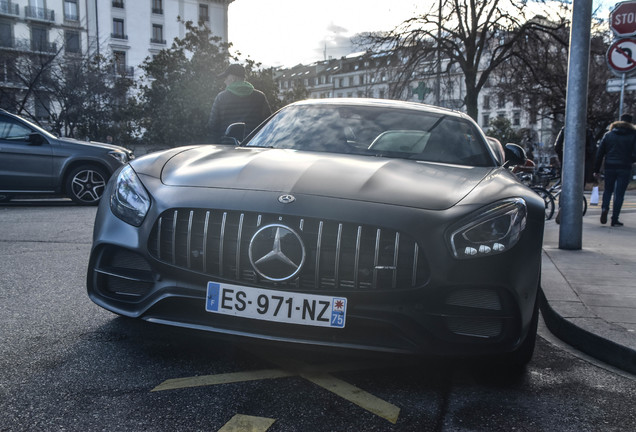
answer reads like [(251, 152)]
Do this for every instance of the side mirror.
[(35, 139), (234, 134), (515, 154)]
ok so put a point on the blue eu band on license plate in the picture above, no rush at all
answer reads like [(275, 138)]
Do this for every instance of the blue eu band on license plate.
[(278, 306)]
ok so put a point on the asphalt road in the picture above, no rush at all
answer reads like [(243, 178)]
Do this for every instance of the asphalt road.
[(69, 365)]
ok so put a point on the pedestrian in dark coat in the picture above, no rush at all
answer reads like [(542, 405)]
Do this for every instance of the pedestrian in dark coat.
[(617, 149), (240, 102)]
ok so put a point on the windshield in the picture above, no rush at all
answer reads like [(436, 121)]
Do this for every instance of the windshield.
[(376, 131)]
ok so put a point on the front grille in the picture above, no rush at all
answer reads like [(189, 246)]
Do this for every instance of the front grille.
[(340, 256)]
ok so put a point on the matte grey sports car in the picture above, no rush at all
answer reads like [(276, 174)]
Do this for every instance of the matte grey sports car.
[(356, 223)]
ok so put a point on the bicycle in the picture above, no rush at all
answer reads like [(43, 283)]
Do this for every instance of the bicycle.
[(551, 195)]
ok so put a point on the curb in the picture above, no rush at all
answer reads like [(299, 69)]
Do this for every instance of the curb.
[(591, 344)]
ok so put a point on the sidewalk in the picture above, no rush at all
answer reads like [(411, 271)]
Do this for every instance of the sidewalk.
[(589, 296)]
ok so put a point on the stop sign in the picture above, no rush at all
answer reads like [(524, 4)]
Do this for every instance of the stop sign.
[(623, 19)]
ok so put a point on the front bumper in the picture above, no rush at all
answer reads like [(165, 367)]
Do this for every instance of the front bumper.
[(453, 307)]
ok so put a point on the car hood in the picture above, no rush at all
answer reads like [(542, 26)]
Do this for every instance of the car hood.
[(94, 144), (393, 181)]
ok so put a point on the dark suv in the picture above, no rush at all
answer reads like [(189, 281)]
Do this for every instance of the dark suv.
[(34, 162)]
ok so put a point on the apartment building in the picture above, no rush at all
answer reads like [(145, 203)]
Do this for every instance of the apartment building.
[(132, 30), (382, 76), (36, 32)]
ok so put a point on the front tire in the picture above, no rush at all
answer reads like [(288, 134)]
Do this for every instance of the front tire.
[(85, 184)]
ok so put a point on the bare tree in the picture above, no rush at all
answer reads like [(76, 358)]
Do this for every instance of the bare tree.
[(470, 37), (536, 76)]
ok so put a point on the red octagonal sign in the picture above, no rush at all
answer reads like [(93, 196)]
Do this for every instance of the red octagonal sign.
[(623, 19)]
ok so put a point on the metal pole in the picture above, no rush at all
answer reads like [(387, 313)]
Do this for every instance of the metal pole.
[(620, 108), (571, 228)]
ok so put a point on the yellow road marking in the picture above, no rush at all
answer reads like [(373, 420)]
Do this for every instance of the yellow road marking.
[(207, 380), (355, 395), (317, 374), (245, 423)]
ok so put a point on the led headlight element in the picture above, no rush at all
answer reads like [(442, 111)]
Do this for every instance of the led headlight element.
[(129, 201), (489, 231)]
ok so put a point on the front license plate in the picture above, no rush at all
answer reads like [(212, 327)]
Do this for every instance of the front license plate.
[(279, 306)]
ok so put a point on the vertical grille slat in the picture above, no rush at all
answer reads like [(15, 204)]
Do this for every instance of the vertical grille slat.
[(318, 253), (340, 256), (222, 243), (239, 236), (336, 271), (206, 227), (356, 265), (174, 237), (189, 240)]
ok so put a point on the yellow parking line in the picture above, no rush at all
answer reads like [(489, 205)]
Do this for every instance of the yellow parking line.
[(207, 380), (245, 423), (355, 395)]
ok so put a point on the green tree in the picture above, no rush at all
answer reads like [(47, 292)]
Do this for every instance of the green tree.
[(179, 87), (181, 84), (501, 128)]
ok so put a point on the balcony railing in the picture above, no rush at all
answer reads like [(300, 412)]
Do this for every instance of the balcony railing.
[(123, 70), (41, 46), (71, 17), (8, 8), (28, 45), (158, 41), (157, 11), (118, 4), (119, 36), (39, 13)]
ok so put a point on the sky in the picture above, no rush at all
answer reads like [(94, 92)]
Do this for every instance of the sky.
[(290, 32)]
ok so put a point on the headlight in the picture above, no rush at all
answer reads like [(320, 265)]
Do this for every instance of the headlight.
[(490, 231), (119, 155), (129, 201)]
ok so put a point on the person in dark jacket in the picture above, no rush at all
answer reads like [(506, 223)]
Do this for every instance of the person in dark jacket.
[(617, 149), (590, 151), (240, 102)]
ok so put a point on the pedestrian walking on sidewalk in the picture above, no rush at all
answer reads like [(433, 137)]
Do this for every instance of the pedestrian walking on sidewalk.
[(617, 149), (239, 102)]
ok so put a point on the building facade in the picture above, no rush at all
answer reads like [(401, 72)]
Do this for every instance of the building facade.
[(383, 76), (129, 31), (34, 34)]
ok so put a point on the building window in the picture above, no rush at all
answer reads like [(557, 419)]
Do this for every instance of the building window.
[(486, 102), (516, 118), (157, 7), (501, 103), (157, 34), (118, 4), (118, 29), (485, 120), (203, 12), (6, 38), (39, 39), (72, 41), (71, 12), (120, 63), (42, 108)]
